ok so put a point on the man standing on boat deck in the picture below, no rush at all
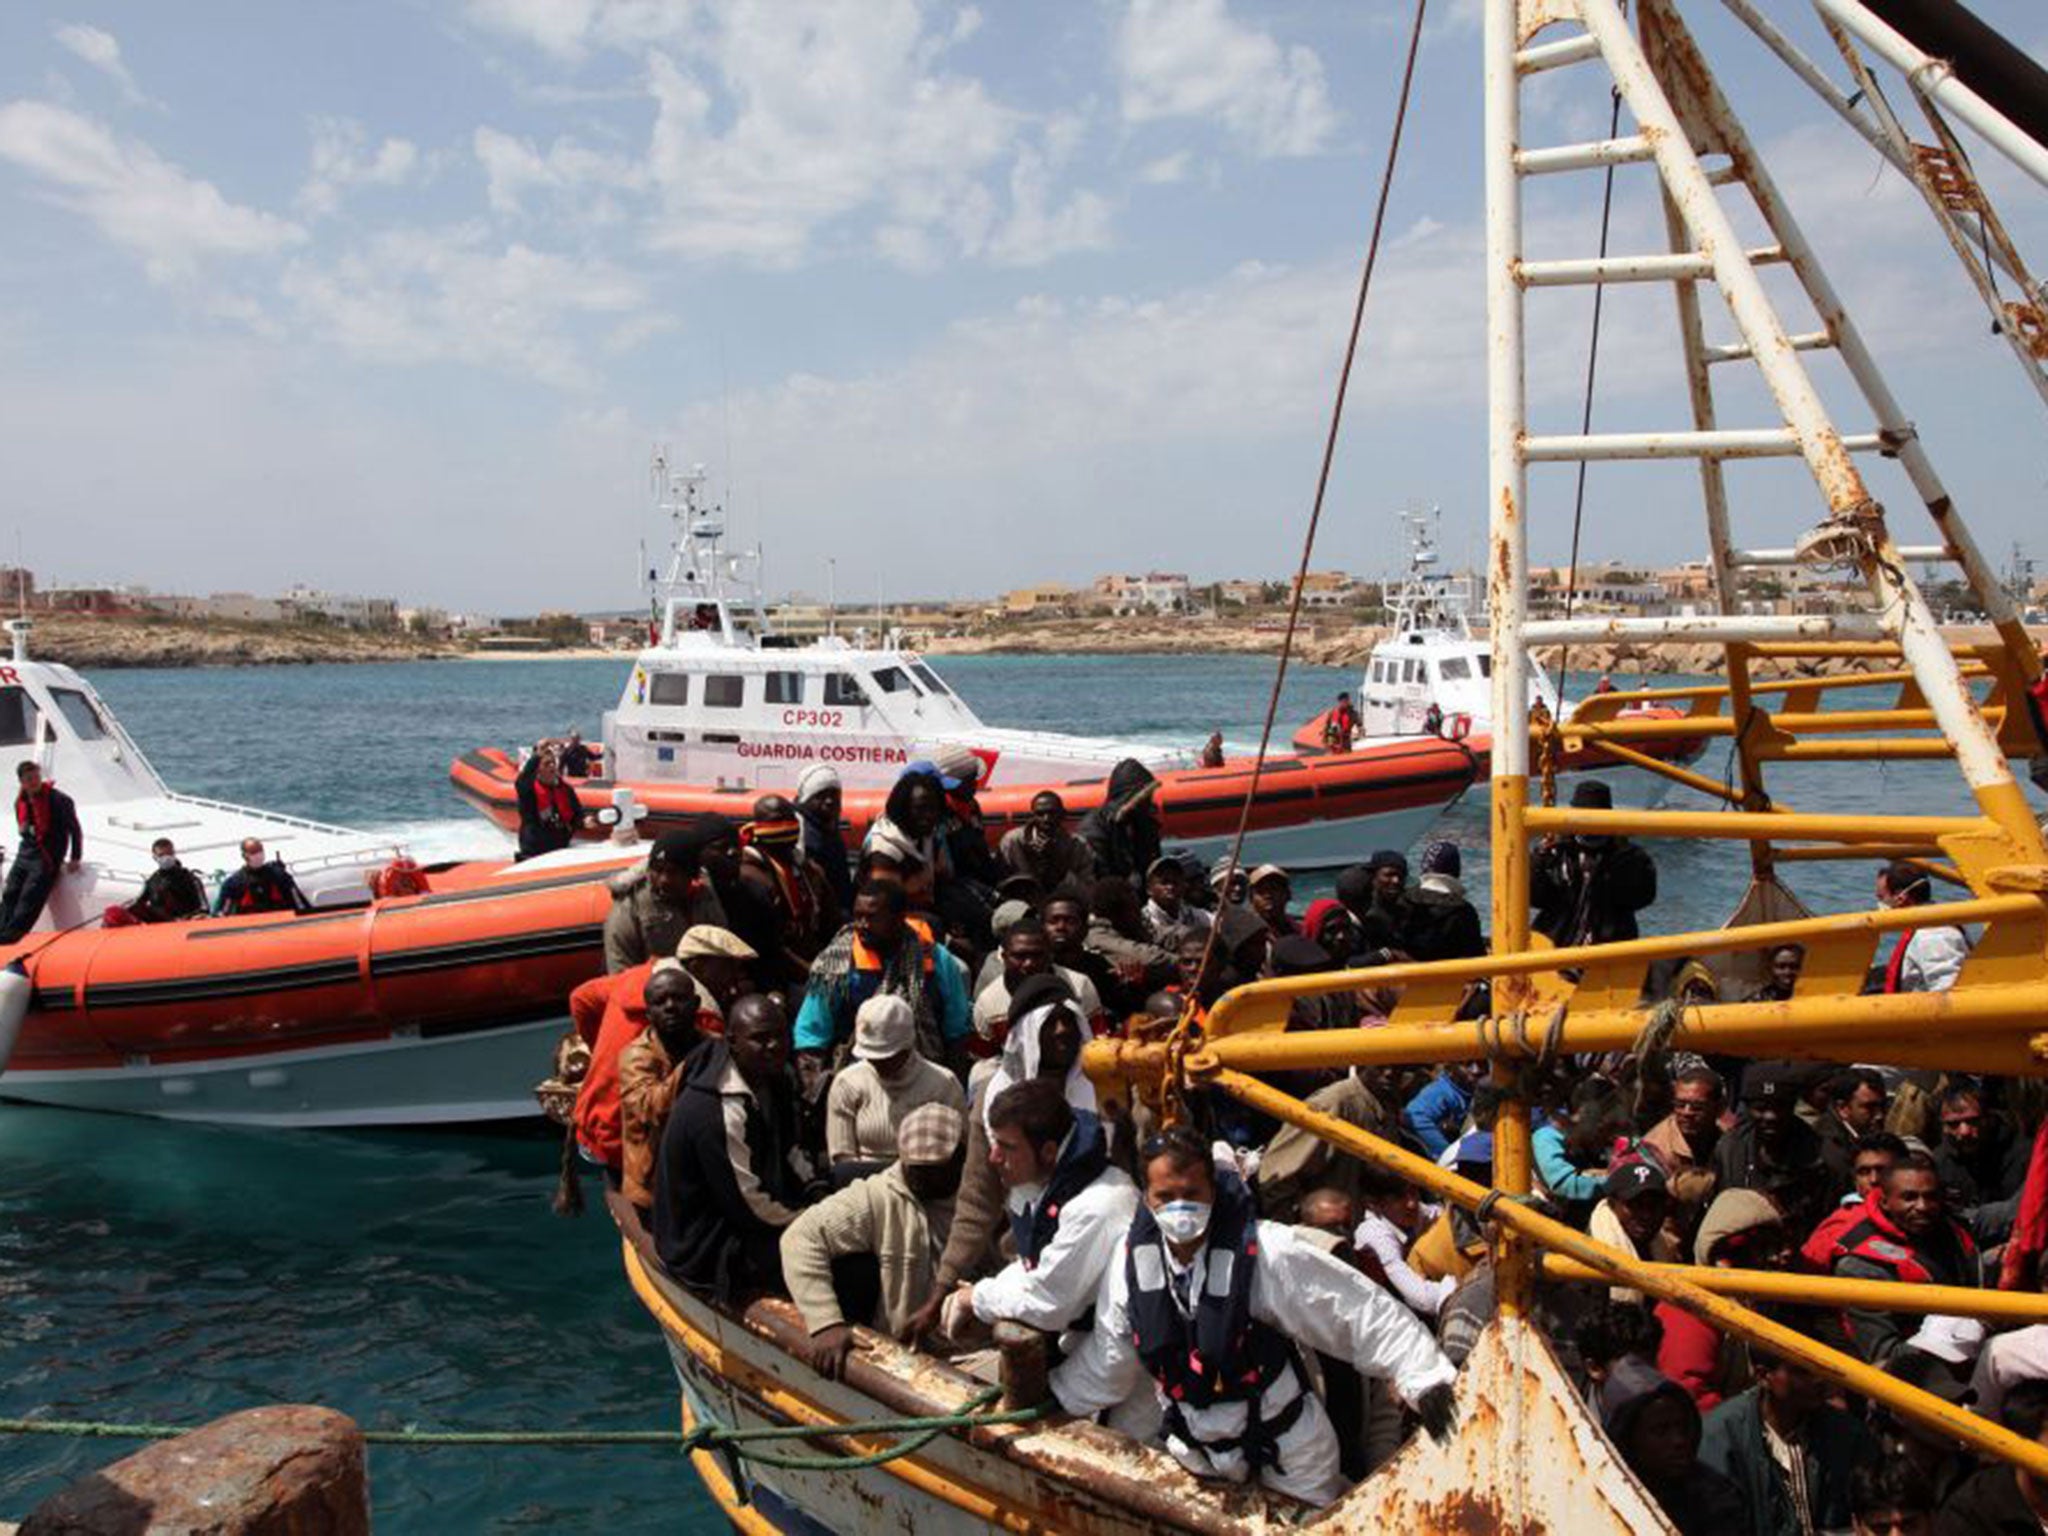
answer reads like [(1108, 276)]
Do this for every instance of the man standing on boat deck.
[(730, 1175), (1215, 1305), (260, 885), (51, 840), (655, 905), (1123, 832), (1924, 959), (1588, 888), (549, 810)]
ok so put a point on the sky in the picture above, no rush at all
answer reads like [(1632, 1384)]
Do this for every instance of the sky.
[(398, 297)]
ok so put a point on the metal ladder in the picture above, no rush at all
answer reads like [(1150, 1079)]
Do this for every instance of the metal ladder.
[(1687, 131)]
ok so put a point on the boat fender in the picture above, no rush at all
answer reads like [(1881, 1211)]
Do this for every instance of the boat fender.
[(15, 991), (1461, 727), (625, 816)]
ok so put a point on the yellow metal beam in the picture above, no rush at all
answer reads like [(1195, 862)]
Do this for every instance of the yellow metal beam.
[(1834, 1290), (1746, 824), (1671, 1283)]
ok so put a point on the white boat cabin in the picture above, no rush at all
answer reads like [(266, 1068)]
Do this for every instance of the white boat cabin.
[(719, 700), (51, 716)]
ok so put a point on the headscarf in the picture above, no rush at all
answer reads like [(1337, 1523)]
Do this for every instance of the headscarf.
[(1030, 1007), (816, 780)]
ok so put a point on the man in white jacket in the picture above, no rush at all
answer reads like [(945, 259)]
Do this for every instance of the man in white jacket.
[(1068, 1210), (1214, 1304)]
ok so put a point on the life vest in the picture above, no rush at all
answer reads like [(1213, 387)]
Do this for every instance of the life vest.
[(34, 815), (401, 877), (1876, 1241), (1081, 1163), (793, 889), (1213, 1350), (554, 804), (258, 890)]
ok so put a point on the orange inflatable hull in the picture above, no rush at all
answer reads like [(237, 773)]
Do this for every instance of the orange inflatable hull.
[(1309, 742), (474, 953), (1196, 804)]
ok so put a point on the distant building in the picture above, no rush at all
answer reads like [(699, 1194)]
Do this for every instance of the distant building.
[(17, 587), (1154, 592), (1240, 594), (92, 598), (304, 602), (1328, 589), (1050, 600)]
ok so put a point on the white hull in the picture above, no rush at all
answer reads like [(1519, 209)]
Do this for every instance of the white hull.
[(485, 1074)]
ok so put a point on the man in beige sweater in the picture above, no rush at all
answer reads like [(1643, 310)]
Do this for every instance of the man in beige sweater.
[(894, 1222)]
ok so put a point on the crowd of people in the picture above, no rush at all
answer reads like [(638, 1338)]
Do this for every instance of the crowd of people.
[(872, 1103)]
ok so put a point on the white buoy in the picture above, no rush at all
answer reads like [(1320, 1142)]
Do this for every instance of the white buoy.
[(15, 991)]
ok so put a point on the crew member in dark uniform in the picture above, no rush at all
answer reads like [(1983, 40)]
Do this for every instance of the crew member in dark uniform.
[(260, 885), (51, 841)]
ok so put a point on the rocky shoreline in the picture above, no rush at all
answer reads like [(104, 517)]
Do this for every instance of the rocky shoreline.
[(103, 644), (1329, 646)]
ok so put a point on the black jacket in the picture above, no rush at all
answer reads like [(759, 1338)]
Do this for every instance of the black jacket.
[(267, 889), (170, 896), (1578, 902), (1988, 1504), (1124, 841), (1442, 926), (539, 834), (709, 1238)]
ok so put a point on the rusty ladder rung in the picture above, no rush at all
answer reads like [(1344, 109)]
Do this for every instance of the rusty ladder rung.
[(1739, 351), (1659, 267)]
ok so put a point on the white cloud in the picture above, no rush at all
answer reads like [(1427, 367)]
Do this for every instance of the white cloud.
[(139, 200), (1167, 169), (423, 296), (342, 159), (102, 50), (782, 135), (1193, 59)]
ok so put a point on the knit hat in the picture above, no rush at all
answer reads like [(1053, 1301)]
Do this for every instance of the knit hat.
[(1592, 795), (1388, 858), (1223, 869), (929, 1134), (686, 845), (1733, 1213), (1320, 911), (708, 939), (883, 1026), (815, 781), (1442, 858), (1006, 916)]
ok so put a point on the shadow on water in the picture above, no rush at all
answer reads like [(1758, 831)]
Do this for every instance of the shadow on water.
[(172, 1273)]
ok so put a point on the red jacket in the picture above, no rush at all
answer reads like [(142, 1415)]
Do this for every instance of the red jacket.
[(1825, 1245), (1709, 1364), (624, 1016)]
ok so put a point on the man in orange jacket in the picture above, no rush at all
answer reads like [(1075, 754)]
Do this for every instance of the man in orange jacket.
[(714, 960)]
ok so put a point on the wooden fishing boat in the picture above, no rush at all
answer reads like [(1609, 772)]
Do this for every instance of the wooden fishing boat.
[(1548, 1469), (1526, 1457)]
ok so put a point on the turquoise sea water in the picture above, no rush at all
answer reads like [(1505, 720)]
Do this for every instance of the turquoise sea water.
[(175, 1273)]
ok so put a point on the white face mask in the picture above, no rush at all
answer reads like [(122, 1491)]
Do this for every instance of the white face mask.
[(1182, 1221), (1022, 1197), (167, 861)]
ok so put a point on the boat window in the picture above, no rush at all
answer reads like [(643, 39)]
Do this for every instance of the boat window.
[(929, 678), (843, 690), (78, 711), (785, 688), (891, 679), (724, 690), (1411, 671), (1485, 660), (668, 688), (1455, 669), (17, 718)]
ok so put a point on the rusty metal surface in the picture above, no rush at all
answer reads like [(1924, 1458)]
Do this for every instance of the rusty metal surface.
[(1527, 1460)]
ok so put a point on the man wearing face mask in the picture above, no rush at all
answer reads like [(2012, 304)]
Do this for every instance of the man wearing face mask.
[(1068, 1209), (1215, 1306), (892, 1225), (172, 893), (1588, 888), (260, 885), (655, 905)]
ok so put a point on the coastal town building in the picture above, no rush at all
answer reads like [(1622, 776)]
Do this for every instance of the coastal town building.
[(1240, 594), (1329, 589), (304, 602), (1048, 600), (1153, 592)]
